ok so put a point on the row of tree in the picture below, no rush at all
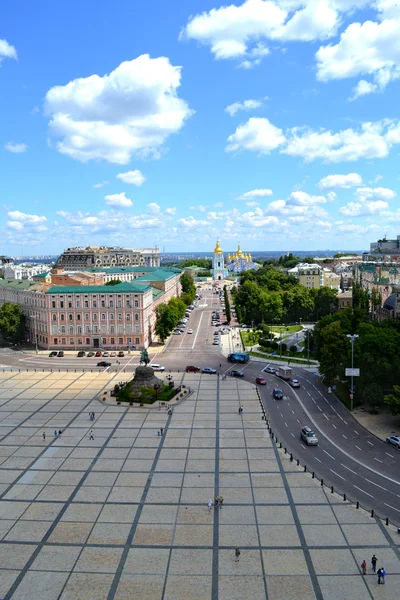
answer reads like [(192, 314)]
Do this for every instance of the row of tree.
[(169, 314), (271, 296), (228, 315), (12, 323)]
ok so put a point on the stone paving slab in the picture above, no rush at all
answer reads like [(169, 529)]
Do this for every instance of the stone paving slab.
[(125, 515)]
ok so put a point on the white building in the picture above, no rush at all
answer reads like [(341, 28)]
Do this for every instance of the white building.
[(219, 270), (24, 271)]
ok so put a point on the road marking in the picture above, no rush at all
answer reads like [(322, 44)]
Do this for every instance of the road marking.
[(325, 416), (358, 448), (377, 485), (363, 491), (356, 432), (303, 446), (390, 506), (319, 408), (198, 329), (320, 461), (345, 422), (292, 412), (333, 425), (391, 456), (337, 474), (377, 459), (285, 424), (292, 434), (298, 420), (333, 458), (348, 468), (370, 443), (345, 436)]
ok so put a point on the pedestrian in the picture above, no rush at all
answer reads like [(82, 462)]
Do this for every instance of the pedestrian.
[(374, 560), (216, 502), (158, 432), (237, 554), (55, 433), (91, 435), (209, 504), (240, 410), (161, 430), (379, 573), (44, 435), (383, 573), (59, 432), (364, 567), (93, 415), (221, 501)]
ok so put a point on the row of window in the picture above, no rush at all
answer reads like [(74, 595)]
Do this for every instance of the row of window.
[(71, 329), (104, 341), (95, 317), (94, 303)]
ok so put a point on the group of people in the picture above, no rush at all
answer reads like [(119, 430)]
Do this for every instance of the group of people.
[(381, 572), (240, 410), (56, 433), (218, 502), (91, 415)]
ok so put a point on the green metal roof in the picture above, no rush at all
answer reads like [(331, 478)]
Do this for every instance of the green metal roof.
[(109, 270), (19, 284), (158, 275), (40, 275), (157, 293), (120, 288)]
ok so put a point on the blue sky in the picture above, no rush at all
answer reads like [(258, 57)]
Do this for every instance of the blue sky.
[(269, 122)]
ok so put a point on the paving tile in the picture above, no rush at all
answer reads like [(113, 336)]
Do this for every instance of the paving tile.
[(82, 586), (37, 584), (190, 588), (291, 588), (237, 588)]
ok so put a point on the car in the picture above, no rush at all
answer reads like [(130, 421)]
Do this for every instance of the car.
[(121, 354), (236, 373), (308, 436), (181, 330), (216, 342), (270, 370), (60, 354), (106, 354), (225, 323), (190, 330), (90, 354), (277, 394), (157, 367), (261, 381), (104, 363), (52, 354), (176, 332), (81, 353), (209, 370), (192, 369), (394, 440), (295, 383), (98, 353), (113, 354)]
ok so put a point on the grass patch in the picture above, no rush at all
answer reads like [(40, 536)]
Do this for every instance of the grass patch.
[(285, 357), (149, 395)]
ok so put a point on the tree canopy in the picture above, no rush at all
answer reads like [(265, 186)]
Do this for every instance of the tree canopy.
[(113, 282), (12, 322)]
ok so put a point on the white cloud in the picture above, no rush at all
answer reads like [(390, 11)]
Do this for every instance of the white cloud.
[(201, 207), (369, 201), (131, 111), (153, 208), (261, 193), (132, 177), (170, 211), (247, 105), (20, 221), (333, 182), (100, 185), (367, 193), (7, 51), (299, 198), (257, 135), (118, 200), (362, 88), (252, 204), (191, 222), (16, 148), (218, 205)]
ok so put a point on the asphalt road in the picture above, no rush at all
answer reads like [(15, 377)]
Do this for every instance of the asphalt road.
[(348, 457)]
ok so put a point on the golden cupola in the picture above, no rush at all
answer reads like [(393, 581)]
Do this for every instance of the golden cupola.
[(239, 250), (217, 249)]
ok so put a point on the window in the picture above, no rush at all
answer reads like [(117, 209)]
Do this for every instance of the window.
[(137, 329), (128, 317), (78, 317), (137, 341), (79, 329), (61, 303), (111, 303), (70, 317), (112, 328), (94, 316), (136, 316), (136, 303), (87, 329), (63, 341), (103, 304), (62, 317), (119, 316), (55, 341), (128, 303), (119, 303), (78, 304), (86, 316), (129, 340), (120, 341), (71, 329), (63, 329), (54, 317), (79, 341), (95, 329), (53, 303), (103, 316), (112, 341), (112, 316), (55, 328), (87, 341), (104, 341), (86, 304), (71, 341), (69, 303), (94, 303)]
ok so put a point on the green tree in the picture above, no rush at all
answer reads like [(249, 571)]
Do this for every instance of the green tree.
[(392, 401), (333, 351), (227, 305), (188, 289), (293, 349), (113, 282), (373, 394), (204, 263), (325, 301), (12, 322), (165, 321)]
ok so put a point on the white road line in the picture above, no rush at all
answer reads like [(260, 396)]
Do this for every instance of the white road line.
[(345, 422), (363, 491), (303, 446), (391, 456), (377, 459), (377, 485), (337, 474), (286, 424), (327, 418), (333, 425), (348, 468), (320, 461), (319, 408), (292, 412), (333, 458), (370, 443), (358, 448), (390, 506), (356, 432), (298, 420), (345, 436), (198, 329), (292, 434)]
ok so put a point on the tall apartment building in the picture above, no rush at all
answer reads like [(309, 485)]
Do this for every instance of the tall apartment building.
[(309, 275), (383, 250), (80, 258)]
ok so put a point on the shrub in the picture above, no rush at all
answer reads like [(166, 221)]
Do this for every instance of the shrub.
[(293, 348)]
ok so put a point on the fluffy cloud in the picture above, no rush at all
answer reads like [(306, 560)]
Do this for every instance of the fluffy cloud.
[(107, 222), (200, 207), (262, 193), (368, 201), (240, 31), (7, 51), (131, 111), (191, 223), (334, 182), (132, 177), (118, 200), (247, 105), (16, 148), (20, 221), (299, 198), (100, 184), (153, 208), (367, 193), (257, 135), (369, 48)]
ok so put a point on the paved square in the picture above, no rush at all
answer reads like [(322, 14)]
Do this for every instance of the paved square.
[(125, 515)]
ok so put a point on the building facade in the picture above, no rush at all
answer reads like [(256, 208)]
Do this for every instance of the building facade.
[(105, 256), (24, 271), (219, 271), (239, 262)]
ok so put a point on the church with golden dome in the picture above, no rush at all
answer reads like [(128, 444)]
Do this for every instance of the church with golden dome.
[(236, 263)]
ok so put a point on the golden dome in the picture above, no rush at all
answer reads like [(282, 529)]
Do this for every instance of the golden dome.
[(239, 250), (217, 249), (229, 257)]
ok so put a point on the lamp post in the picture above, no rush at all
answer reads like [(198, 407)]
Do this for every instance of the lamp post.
[(34, 317), (308, 347), (352, 338), (280, 343)]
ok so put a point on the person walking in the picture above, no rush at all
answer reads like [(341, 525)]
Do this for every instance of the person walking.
[(237, 555), (44, 435), (216, 502), (209, 504), (379, 573), (374, 560), (93, 415), (364, 567), (383, 573), (221, 501), (161, 430), (91, 435), (55, 433)]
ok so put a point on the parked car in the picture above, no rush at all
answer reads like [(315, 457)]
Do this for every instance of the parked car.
[(113, 354), (308, 436), (216, 342), (81, 353), (106, 354), (157, 367), (394, 440), (295, 383), (98, 353), (60, 354), (236, 373), (90, 354), (209, 370), (225, 323), (176, 332), (190, 330), (192, 369), (52, 354), (270, 370), (277, 394), (261, 381), (121, 354), (104, 363)]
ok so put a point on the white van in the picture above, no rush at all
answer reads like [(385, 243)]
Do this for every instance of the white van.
[(157, 367)]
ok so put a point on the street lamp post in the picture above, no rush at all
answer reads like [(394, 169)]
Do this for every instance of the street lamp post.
[(34, 317), (308, 347), (280, 344), (352, 338)]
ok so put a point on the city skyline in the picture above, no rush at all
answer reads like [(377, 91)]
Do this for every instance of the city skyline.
[(269, 122)]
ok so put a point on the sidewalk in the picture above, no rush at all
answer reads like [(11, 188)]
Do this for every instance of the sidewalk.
[(381, 425)]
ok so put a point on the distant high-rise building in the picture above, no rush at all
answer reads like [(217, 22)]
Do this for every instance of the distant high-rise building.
[(105, 256)]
